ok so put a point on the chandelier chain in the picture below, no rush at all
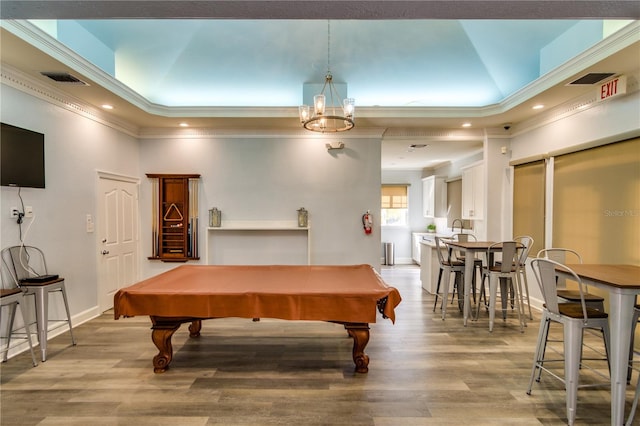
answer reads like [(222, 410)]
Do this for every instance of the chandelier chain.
[(328, 47)]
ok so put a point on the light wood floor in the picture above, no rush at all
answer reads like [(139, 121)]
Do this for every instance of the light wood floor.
[(423, 371)]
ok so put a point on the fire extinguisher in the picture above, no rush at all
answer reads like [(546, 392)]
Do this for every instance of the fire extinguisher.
[(367, 222)]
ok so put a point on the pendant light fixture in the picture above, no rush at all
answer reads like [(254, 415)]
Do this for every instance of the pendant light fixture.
[(330, 112)]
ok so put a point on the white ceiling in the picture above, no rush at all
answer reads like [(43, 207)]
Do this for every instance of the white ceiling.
[(414, 79)]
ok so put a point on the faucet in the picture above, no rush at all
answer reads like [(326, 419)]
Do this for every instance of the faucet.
[(453, 225)]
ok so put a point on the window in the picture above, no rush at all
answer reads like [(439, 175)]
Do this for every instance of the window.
[(528, 203), (595, 202), (395, 207)]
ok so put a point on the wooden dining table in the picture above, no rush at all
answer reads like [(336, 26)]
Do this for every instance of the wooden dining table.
[(623, 284)]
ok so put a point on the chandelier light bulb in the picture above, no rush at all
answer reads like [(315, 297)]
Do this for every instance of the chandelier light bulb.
[(348, 107), (304, 113), (318, 102)]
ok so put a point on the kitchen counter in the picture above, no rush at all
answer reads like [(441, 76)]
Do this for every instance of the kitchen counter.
[(419, 239), (429, 265), (416, 246), (429, 262), (429, 238)]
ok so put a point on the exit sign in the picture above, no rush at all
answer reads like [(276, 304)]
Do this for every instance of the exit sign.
[(612, 88)]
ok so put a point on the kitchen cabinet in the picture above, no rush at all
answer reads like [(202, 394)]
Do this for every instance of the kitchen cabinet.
[(473, 192), (434, 196), (429, 266), (416, 245)]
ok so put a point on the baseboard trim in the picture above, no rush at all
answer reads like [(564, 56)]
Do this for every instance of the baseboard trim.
[(76, 320)]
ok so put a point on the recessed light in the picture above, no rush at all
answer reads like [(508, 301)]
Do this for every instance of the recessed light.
[(466, 124), (539, 106), (107, 106), (184, 125)]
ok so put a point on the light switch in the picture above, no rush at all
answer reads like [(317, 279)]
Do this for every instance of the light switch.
[(89, 223)]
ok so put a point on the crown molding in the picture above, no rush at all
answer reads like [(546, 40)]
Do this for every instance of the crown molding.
[(574, 106), (243, 133), (431, 134), (20, 81)]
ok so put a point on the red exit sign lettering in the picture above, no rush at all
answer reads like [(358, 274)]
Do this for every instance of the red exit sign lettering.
[(615, 87)]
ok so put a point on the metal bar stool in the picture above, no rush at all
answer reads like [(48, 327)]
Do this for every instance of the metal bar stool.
[(28, 268), (12, 299), (574, 317)]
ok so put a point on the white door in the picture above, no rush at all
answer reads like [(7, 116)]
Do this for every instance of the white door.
[(117, 225)]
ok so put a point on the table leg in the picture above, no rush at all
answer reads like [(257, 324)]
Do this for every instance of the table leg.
[(194, 328), (493, 291), (360, 334), (468, 276), (620, 317), (161, 336)]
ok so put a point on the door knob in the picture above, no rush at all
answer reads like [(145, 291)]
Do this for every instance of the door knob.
[(105, 252)]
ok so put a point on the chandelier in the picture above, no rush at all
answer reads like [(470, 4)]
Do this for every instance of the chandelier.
[(329, 113)]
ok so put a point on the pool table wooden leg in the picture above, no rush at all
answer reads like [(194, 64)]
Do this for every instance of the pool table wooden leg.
[(360, 334), (194, 328), (163, 329)]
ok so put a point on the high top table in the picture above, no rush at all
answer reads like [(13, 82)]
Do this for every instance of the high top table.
[(346, 294), (623, 284), (470, 249)]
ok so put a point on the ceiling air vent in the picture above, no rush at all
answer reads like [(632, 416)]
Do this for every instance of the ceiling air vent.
[(591, 78), (63, 77)]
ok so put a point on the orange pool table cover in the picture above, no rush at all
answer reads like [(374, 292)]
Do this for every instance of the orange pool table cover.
[(348, 293)]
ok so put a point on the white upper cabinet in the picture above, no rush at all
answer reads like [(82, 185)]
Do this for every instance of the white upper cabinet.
[(473, 192), (434, 196)]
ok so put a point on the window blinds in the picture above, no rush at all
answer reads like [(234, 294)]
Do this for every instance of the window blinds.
[(394, 196), (596, 203), (528, 202)]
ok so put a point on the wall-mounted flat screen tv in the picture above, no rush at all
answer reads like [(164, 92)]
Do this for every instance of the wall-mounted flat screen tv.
[(21, 157)]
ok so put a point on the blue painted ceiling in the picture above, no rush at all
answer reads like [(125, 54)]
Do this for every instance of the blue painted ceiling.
[(445, 63)]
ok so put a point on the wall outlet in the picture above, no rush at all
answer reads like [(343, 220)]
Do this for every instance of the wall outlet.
[(28, 211), (14, 212)]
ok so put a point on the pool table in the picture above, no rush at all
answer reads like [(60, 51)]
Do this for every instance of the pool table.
[(346, 294)]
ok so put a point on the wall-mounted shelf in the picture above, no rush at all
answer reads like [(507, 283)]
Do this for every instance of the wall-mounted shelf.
[(262, 242), (249, 225)]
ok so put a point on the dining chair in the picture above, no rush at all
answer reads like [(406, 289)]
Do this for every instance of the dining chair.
[(634, 406), (527, 243), (448, 266), (12, 301), (574, 317), (27, 268), (568, 256), (505, 272), (634, 324)]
